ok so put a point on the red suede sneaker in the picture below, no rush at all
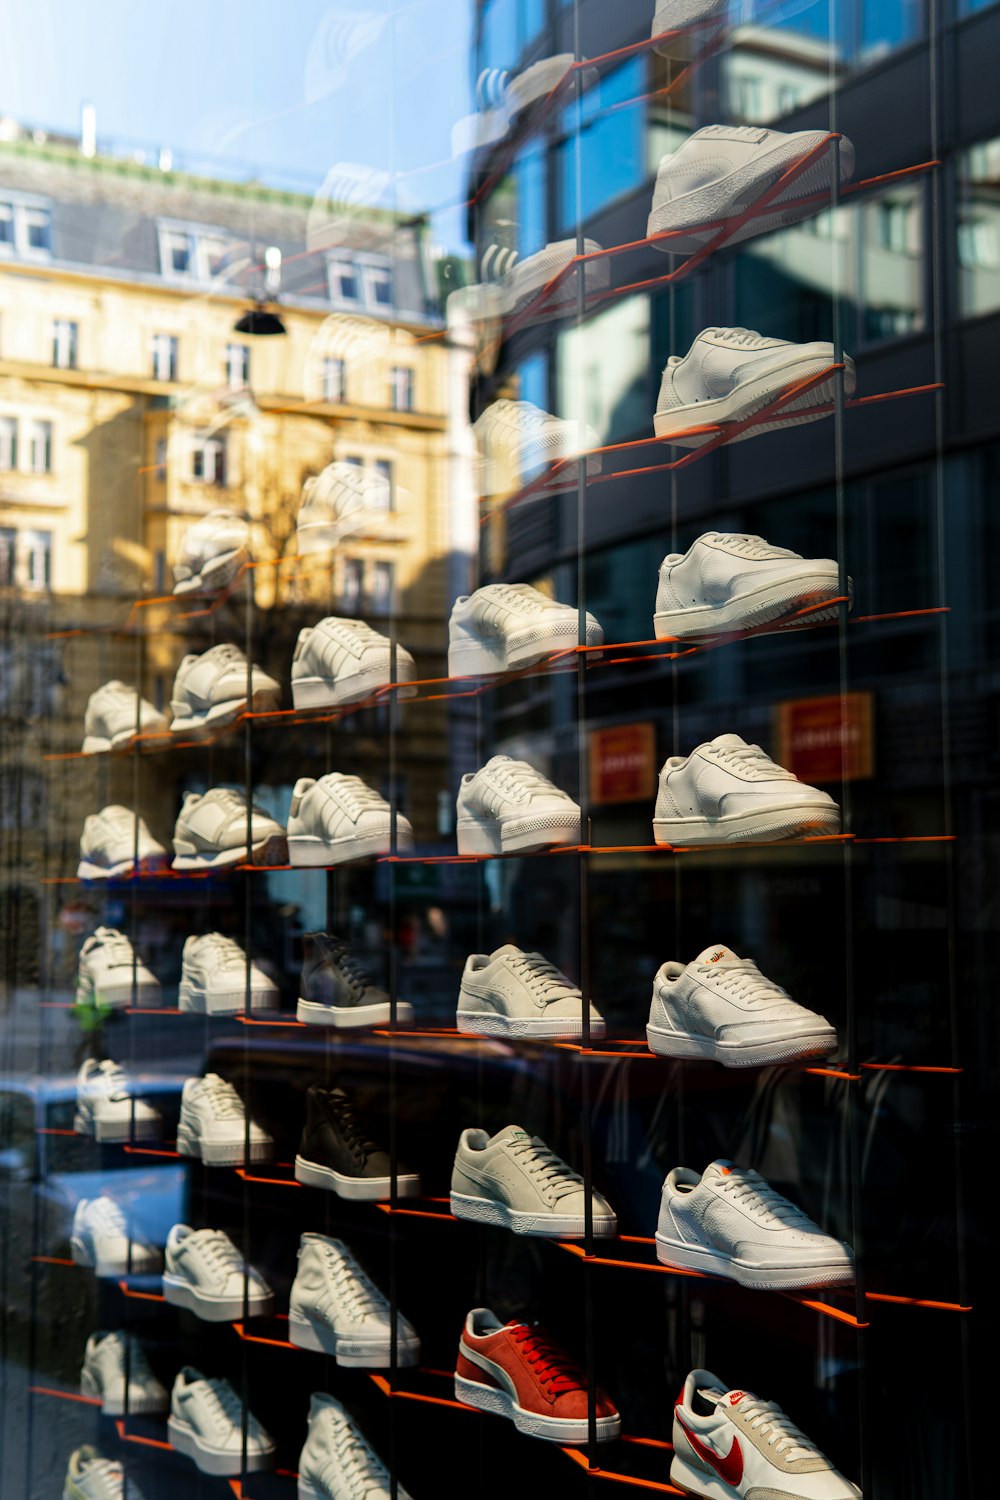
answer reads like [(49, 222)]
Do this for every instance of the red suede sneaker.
[(515, 1370)]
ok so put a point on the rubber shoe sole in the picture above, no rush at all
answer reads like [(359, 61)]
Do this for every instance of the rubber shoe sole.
[(222, 715), (221, 1153), (526, 1028), (351, 1353), (358, 1189), (270, 851), (756, 609), (542, 1225), (353, 1017), (180, 1293), (196, 1000), (308, 849), (667, 1043), (335, 692), (211, 1460), (777, 1276), (518, 835), (764, 826), (535, 1424)]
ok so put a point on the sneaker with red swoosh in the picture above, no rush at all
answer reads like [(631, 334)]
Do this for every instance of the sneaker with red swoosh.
[(515, 1370), (730, 1445)]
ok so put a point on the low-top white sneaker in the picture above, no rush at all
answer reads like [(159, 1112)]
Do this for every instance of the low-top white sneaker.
[(721, 170), (728, 1221), (111, 974), (727, 791), (721, 1007), (116, 843), (517, 440), (732, 1444), (213, 1124), (729, 374), (515, 1181), (115, 717), (101, 1238), (337, 1309), (344, 500), (508, 807), (524, 280), (337, 1461), (91, 1476), (206, 1423), (505, 626), (732, 581), (213, 978), (340, 661), (106, 1106), (205, 1273), (340, 818), (510, 993), (211, 690), (211, 832), (673, 15), (103, 1376), (212, 552)]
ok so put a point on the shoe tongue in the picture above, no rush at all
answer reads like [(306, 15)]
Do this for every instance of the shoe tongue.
[(725, 1398), (717, 955), (717, 1171), (511, 1133), (508, 950), (729, 742)]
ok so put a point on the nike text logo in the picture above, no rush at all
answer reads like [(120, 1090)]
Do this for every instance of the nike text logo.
[(729, 1468)]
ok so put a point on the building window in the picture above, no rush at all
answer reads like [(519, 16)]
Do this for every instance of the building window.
[(65, 337), (8, 443), (343, 279), (378, 285), (160, 470), (208, 460), (354, 578), (401, 388), (8, 555), (978, 228), (163, 347), (25, 228), (192, 253), (334, 379), (354, 461), (40, 447), (383, 584), (176, 253), (38, 559), (237, 366), (384, 495)]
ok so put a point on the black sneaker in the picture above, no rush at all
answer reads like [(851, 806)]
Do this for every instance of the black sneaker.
[(337, 991), (337, 1152)]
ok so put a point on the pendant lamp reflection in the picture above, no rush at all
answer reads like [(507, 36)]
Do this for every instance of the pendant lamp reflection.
[(257, 320)]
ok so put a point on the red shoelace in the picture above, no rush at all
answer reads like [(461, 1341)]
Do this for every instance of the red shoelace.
[(551, 1367)]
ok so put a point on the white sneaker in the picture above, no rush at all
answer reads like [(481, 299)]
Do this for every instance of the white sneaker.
[(515, 1181), (213, 978), (728, 792), (115, 717), (505, 626), (205, 1273), (672, 15), (732, 1444), (106, 1107), (211, 833), (510, 807), (337, 1461), (721, 170), (210, 691), (100, 1238), (339, 818), (213, 1124), (206, 1423), (510, 993), (721, 1007), (90, 1476), (522, 280), (342, 501), (517, 439), (341, 661), (213, 551), (337, 1309), (729, 581), (116, 842), (728, 374), (111, 975), (728, 1221), (103, 1376)]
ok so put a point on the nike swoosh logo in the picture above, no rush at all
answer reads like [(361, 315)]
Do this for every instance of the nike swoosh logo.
[(729, 1468)]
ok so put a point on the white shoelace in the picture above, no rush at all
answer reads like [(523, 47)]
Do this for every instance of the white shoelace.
[(355, 1462), (542, 977), (767, 1418), (358, 1294), (112, 1082), (115, 944), (220, 1252), (744, 980), (554, 1178), (354, 795), (739, 338), (231, 955), (522, 596), (520, 780), (750, 758), (752, 546), (226, 652), (106, 1216), (749, 1188), (225, 1402), (224, 1102)]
